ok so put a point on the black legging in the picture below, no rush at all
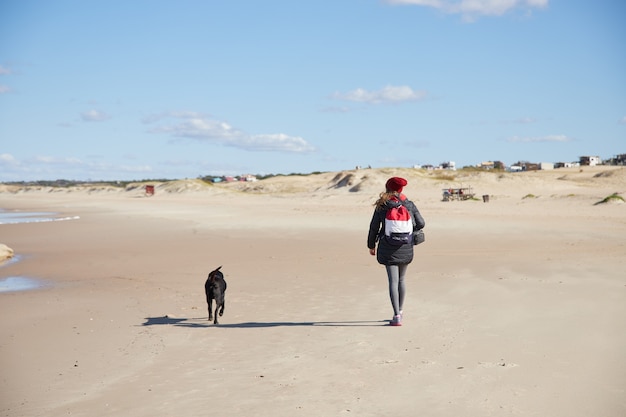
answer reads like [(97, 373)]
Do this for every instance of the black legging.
[(397, 289)]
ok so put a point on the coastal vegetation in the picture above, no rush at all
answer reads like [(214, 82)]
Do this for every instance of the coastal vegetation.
[(613, 198)]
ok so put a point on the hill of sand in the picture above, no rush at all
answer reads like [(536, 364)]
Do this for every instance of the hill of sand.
[(514, 307), (568, 181)]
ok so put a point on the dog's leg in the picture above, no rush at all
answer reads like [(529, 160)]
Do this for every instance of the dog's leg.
[(216, 307), (222, 308), (209, 301)]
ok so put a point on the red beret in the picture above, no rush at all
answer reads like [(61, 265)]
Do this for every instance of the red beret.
[(395, 184)]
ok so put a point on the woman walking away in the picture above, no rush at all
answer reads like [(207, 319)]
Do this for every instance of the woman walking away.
[(394, 220)]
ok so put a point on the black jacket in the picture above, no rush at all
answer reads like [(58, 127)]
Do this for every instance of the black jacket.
[(388, 254)]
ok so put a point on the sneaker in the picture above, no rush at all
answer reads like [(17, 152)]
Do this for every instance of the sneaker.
[(396, 321), (395, 316)]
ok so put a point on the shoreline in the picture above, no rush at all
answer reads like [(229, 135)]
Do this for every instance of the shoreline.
[(14, 284)]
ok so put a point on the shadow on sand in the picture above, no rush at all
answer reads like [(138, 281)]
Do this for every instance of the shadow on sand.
[(203, 322)]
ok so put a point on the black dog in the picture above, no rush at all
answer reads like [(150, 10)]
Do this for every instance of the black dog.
[(215, 289)]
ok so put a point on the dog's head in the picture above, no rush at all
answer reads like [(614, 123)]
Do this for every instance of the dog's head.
[(215, 274)]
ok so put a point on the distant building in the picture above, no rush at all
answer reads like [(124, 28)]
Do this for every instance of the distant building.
[(591, 161), (566, 164), (617, 160), (491, 165), (546, 165), (527, 166)]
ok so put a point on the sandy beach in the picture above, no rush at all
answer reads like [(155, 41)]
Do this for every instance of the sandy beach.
[(515, 307)]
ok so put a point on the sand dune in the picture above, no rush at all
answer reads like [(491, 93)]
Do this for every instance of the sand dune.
[(369, 181), (514, 307)]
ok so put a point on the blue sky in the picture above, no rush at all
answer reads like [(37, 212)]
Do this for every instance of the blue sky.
[(144, 89)]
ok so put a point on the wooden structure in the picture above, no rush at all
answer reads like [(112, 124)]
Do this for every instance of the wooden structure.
[(149, 189), (464, 193)]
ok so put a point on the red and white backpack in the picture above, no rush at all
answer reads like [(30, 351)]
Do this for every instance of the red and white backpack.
[(398, 225)]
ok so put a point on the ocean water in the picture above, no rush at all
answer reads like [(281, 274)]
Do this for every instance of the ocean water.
[(11, 284), (12, 217)]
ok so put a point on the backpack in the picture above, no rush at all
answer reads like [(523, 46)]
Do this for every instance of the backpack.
[(398, 225)]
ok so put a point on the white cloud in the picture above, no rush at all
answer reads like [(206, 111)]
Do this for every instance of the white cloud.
[(202, 127), (131, 168), (623, 120), (278, 142), (472, 8), (4, 70), (524, 120), (343, 109), (53, 160), (94, 116), (157, 117), (389, 94), (7, 159), (4, 89), (548, 138), (54, 167)]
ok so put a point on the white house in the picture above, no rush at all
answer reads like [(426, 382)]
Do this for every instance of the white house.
[(591, 161)]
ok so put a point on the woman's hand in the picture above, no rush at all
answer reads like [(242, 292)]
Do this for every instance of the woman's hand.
[(373, 251)]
